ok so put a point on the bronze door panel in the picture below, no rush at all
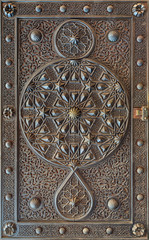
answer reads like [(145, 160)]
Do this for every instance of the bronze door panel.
[(74, 139)]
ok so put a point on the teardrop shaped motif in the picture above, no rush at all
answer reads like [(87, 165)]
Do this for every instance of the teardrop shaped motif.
[(65, 76), (47, 86), (74, 96), (56, 112), (83, 97), (74, 77), (84, 76), (38, 102), (44, 77), (65, 149), (110, 102), (65, 96), (60, 68), (90, 68), (43, 95), (47, 139), (44, 147), (105, 77), (28, 121), (29, 103), (101, 86), (38, 122), (73, 199)]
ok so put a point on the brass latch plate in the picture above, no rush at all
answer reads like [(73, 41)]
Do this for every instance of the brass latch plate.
[(141, 113)]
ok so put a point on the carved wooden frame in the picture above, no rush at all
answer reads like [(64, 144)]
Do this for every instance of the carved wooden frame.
[(136, 224)]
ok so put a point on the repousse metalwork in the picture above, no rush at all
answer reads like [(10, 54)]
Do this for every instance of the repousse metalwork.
[(9, 9), (74, 120), (138, 9), (8, 112), (138, 229), (60, 109), (9, 228)]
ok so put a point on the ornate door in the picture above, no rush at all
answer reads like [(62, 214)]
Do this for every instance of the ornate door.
[(74, 120)]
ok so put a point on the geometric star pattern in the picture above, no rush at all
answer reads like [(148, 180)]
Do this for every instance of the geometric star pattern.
[(73, 199), (74, 112), (74, 38)]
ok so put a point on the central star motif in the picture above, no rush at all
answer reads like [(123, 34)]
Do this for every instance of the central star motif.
[(73, 201), (74, 112), (74, 40)]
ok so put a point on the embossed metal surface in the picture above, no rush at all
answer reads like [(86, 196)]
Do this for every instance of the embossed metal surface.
[(73, 143)]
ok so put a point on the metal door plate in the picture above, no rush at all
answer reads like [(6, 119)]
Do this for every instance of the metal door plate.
[(74, 147)]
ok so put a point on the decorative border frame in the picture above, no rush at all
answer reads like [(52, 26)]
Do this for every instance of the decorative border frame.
[(140, 138)]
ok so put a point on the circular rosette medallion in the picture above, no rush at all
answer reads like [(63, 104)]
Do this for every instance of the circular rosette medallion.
[(74, 112), (73, 38)]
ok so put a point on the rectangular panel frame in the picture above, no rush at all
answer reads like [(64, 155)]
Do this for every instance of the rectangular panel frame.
[(9, 136)]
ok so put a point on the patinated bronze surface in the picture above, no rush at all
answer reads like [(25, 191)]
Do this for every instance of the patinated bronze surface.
[(74, 122)]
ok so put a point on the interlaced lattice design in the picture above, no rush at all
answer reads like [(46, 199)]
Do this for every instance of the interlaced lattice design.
[(74, 113), (74, 200), (73, 38)]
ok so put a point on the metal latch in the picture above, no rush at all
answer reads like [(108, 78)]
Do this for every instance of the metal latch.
[(141, 113)]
